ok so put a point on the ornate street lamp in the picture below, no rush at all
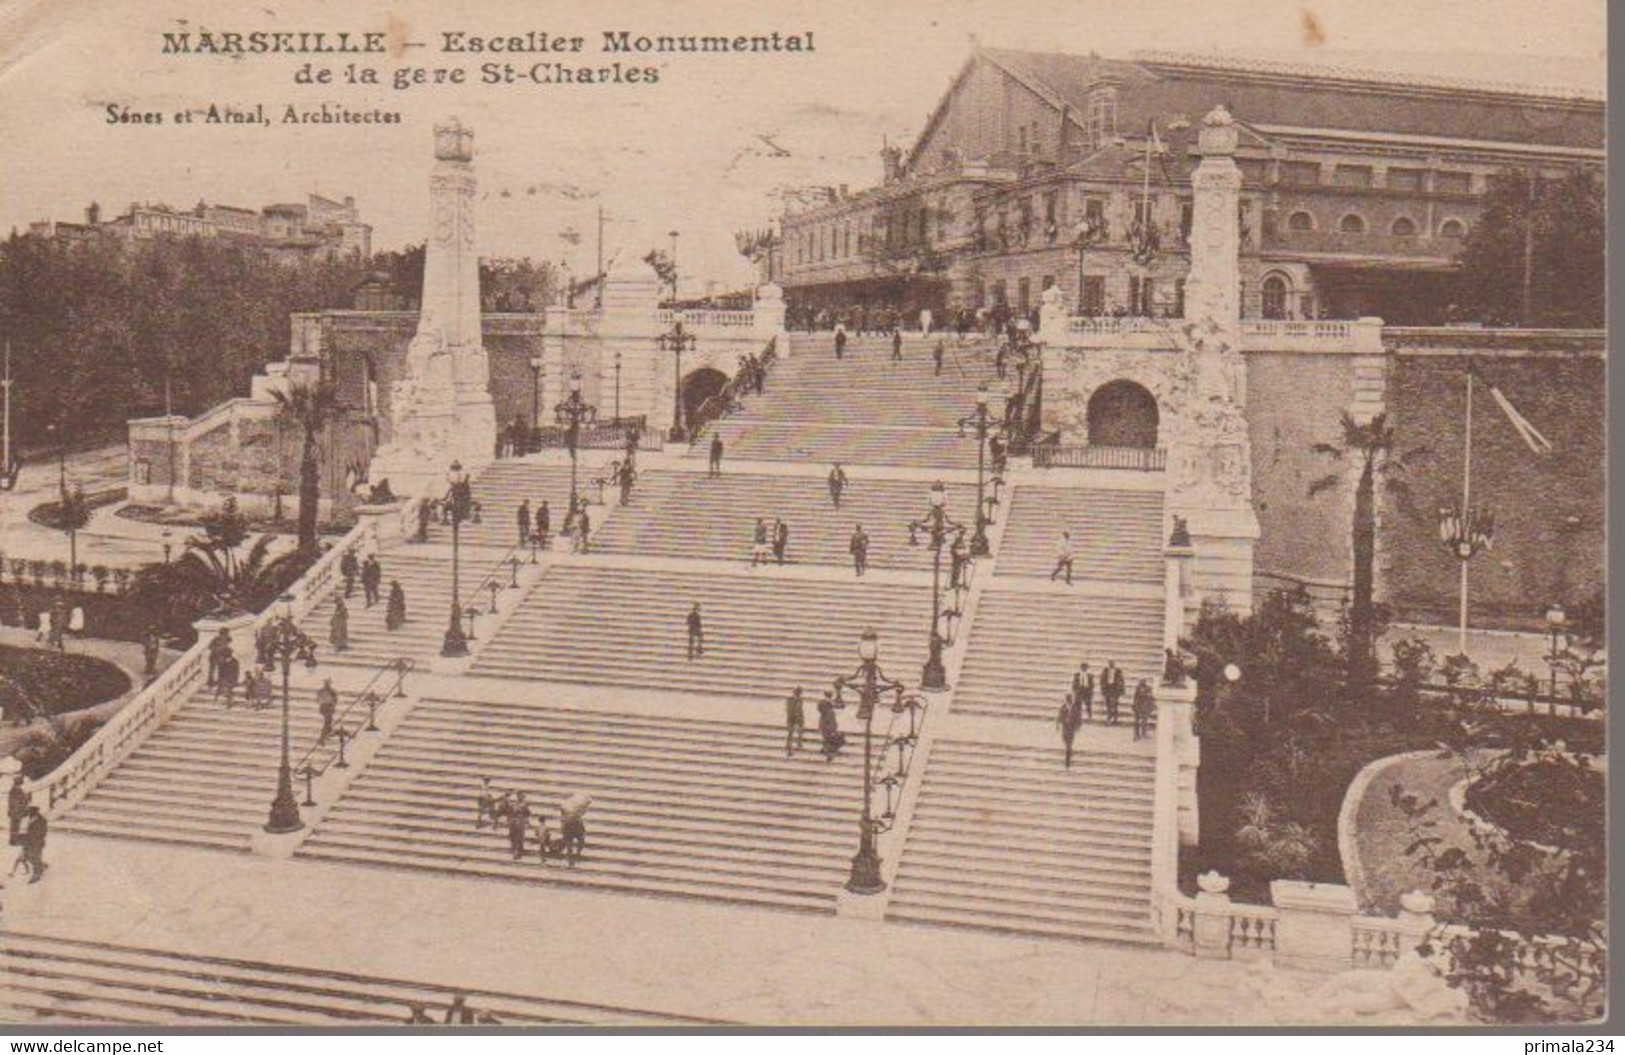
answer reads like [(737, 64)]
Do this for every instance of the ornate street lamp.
[(168, 537), (617, 386), (985, 428), (869, 682), (677, 340), (285, 642), (937, 528), (1557, 627), (460, 499), (574, 412), (536, 368), (1466, 532)]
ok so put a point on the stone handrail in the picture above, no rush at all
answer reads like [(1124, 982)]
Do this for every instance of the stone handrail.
[(71, 780), (1165, 836)]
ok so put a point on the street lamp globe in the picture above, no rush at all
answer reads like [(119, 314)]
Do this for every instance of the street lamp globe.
[(868, 646), (939, 495), (456, 475), (1232, 673), (981, 398), (1556, 617), (535, 362)]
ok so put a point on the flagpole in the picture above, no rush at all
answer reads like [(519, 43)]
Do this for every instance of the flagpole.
[(5, 383), (1466, 499)]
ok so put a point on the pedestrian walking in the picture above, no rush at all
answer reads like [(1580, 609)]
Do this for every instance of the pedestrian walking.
[(338, 630), (151, 647), (522, 521), (925, 320), (226, 683), (17, 803), (33, 844), (518, 825), (372, 579), (840, 342), (573, 827), (795, 722), (1145, 705), (859, 547), (327, 704), (544, 524), (395, 614), (716, 454), (583, 528), (626, 475), (1068, 721), (219, 645), (781, 540), (485, 805), (937, 354), (837, 484), (897, 345), (829, 728), (1063, 558), (958, 560), (1083, 690), (1112, 686), (696, 633), (759, 543), (349, 567)]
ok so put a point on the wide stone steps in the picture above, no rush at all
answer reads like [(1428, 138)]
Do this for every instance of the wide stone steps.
[(697, 516), (794, 441), (505, 483), (681, 806), (764, 634), (59, 980), (1116, 534), (206, 778), (868, 388), (1004, 838), (1025, 647)]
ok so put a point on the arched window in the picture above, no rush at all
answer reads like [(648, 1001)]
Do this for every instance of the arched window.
[(1275, 291), (1353, 223), (1404, 227), (1122, 414), (1452, 228), (1300, 221)]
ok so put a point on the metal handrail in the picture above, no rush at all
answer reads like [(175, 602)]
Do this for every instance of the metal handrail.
[(365, 695), (491, 581)]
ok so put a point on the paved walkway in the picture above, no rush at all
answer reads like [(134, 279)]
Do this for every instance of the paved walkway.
[(740, 964)]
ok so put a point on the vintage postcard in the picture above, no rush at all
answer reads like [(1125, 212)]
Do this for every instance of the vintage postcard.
[(941, 514)]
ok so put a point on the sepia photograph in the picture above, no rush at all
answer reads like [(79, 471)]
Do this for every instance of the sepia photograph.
[(738, 517)]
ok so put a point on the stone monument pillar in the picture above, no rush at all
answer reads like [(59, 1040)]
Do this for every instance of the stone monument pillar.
[(1210, 456), (441, 409)]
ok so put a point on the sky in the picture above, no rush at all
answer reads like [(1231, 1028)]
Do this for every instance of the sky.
[(705, 152)]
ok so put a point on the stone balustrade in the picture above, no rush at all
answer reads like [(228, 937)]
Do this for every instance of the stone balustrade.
[(1349, 336)]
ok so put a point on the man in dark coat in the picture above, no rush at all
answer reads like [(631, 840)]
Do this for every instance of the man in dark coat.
[(716, 454), (1083, 690), (897, 345), (860, 550), (17, 804), (795, 722), (327, 704), (936, 358), (372, 579), (1145, 705), (1111, 687), (781, 540), (837, 484), (518, 825), (33, 857), (1068, 721), (219, 645), (522, 519), (544, 523), (840, 343), (696, 633), (349, 567)]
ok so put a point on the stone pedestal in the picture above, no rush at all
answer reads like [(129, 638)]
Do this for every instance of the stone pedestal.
[(1314, 927), (1210, 930)]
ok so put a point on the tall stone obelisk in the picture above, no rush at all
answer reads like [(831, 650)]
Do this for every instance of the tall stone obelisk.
[(1210, 455), (441, 409)]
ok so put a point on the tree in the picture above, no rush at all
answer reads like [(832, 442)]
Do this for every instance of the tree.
[(311, 408), (1536, 255), (1370, 446), (211, 576)]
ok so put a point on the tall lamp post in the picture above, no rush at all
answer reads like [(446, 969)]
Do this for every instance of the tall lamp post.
[(936, 526), (985, 427), (673, 265), (285, 642), (536, 368), (1465, 530), (869, 682), (168, 537), (1557, 627), (460, 498), (677, 340), (617, 386), (574, 412)]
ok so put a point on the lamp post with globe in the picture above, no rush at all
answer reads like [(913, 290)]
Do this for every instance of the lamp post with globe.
[(869, 682), (285, 643), (460, 500), (936, 526)]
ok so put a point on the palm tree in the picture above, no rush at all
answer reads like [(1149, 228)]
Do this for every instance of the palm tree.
[(1370, 446), (212, 578), (73, 514), (312, 408)]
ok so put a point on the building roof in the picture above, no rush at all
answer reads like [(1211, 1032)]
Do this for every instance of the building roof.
[(1164, 87)]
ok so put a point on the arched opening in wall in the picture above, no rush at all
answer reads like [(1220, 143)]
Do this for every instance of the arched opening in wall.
[(700, 389), (1300, 221), (1403, 227), (1353, 223), (1277, 297), (1122, 414)]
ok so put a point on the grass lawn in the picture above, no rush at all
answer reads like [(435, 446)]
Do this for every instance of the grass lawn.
[(60, 682)]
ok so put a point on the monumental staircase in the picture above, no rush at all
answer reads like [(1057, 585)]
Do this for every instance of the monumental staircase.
[(582, 683)]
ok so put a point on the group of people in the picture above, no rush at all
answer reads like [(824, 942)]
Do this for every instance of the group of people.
[(751, 377), (770, 538), (830, 737), (864, 320), (28, 828), (512, 812), (370, 573), (1079, 705)]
